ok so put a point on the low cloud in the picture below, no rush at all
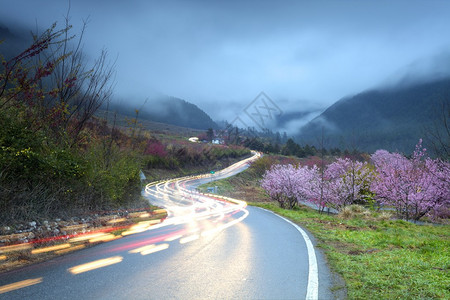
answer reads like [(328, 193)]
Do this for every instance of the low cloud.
[(293, 127), (219, 54), (424, 69)]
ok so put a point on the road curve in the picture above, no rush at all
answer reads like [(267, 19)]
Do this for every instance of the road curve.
[(208, 248)]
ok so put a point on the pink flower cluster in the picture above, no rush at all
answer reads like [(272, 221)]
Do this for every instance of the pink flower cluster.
[(156, 148), (339, 184), (415, 187), (282, 183)]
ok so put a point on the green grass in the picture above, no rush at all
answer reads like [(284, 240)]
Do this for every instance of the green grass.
[(223, 186), (378, 258)]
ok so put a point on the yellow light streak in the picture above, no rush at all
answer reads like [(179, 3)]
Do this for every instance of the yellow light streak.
[(189, 239), (105, 238), (141, 226), (211, 232), (63, 251), (155, 249), (203, 218), (49, 249), (19, 285), (95, 265), (136, 214), (2, 257), (194, 229), (74, 227), (173, 238), (128, 232), (115, 221), (87, 237), (149, 249), (12, 248), (137, 250), (136, 229), (153, 222)]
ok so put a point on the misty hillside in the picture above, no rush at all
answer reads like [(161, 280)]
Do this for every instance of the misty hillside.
[(392, 119), (169, 110), (285, 118), (291, 121)]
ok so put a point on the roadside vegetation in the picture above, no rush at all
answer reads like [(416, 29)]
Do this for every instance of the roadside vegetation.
[(59, 157), (378, 255), (54, 157)]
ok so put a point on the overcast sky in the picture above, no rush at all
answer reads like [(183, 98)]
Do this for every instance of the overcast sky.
[(221, 54)]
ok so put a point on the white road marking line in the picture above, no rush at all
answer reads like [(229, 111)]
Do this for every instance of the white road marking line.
[(312, 291)]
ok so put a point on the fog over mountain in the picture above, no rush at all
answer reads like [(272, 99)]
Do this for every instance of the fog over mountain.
[(220, 55), (390, 118), (169, 110)]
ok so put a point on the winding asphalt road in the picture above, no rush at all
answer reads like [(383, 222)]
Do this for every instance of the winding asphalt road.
[(208, 248)]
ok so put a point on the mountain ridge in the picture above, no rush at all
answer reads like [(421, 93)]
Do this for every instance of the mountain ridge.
[(393, 119), (169, 110)]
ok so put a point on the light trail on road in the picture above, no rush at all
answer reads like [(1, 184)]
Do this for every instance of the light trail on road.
[(191, 216), (184, 203), (208, 247)]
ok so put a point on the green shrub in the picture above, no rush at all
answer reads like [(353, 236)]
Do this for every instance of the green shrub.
[(41, 174)]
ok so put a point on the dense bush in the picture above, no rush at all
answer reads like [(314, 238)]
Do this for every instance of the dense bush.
[(54, 157), (40, 175)]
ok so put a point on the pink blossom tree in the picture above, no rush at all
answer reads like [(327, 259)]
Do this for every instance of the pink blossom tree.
[(339, 184), (288, 185), (414, 187), (282, 185), (315, 188), (348, 180), (156, 148)]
